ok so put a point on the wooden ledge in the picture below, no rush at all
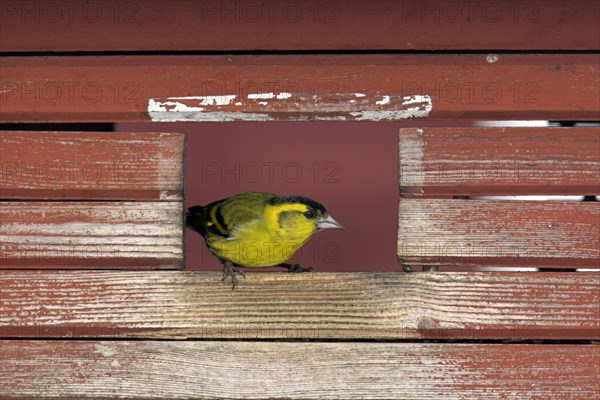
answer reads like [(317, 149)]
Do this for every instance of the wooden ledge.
[(173, 304)]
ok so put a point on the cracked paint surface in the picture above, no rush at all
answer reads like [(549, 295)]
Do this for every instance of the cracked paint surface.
[(290, 106)]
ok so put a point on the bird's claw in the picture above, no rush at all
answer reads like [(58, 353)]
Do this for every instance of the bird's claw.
[(230, 269)]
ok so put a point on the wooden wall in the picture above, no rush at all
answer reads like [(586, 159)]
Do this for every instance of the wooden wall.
[(93, 299)]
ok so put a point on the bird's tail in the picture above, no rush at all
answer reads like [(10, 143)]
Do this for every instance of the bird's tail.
[(197, 219)]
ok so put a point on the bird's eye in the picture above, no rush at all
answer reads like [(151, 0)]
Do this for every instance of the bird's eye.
[(310, 214)]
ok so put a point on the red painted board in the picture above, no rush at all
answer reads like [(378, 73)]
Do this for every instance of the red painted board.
[(499, 233), (300, 87), (183, 370), (280, 305), (176, 25), (499, 161), (88, 165), (73, 234)]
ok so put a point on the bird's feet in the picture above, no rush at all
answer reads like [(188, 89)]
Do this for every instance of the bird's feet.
[(296, 268), (230, 269)]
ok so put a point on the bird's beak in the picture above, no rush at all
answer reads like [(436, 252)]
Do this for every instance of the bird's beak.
[(327, 221)]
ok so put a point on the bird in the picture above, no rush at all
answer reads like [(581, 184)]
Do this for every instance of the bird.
[(258, 229)]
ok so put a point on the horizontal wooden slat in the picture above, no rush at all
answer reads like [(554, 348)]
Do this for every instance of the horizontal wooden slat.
[(498, 233), (165, 304), (499, 161), (244, 370), (291, 25), (78, 165), (91, 235), (300, 87)]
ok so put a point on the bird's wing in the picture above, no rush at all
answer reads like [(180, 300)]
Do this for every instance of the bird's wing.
[(230, 214)]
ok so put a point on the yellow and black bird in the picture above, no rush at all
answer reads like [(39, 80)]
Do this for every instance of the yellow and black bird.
[(257, 229)]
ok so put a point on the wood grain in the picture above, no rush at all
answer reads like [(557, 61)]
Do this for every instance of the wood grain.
[(290, 25), (499, 161), (252, 370), (292, 87), (498, 233), (163, 304), (102, 166), (91, 235)]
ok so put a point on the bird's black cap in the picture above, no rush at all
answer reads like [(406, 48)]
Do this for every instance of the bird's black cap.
[(299, 199)]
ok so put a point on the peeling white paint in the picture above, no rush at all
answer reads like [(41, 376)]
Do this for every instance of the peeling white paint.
[(208, 116), (420, 111), (221, 100), (172, 109), (417, 99), (265, 96), (385, 100), (170, 106)]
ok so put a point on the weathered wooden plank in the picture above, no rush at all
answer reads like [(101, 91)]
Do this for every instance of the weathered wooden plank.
[(162, 304), (244, 370), (103, 166), (91, 235), (498, 233), (499, 161), (291, 25), (300, 87)]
